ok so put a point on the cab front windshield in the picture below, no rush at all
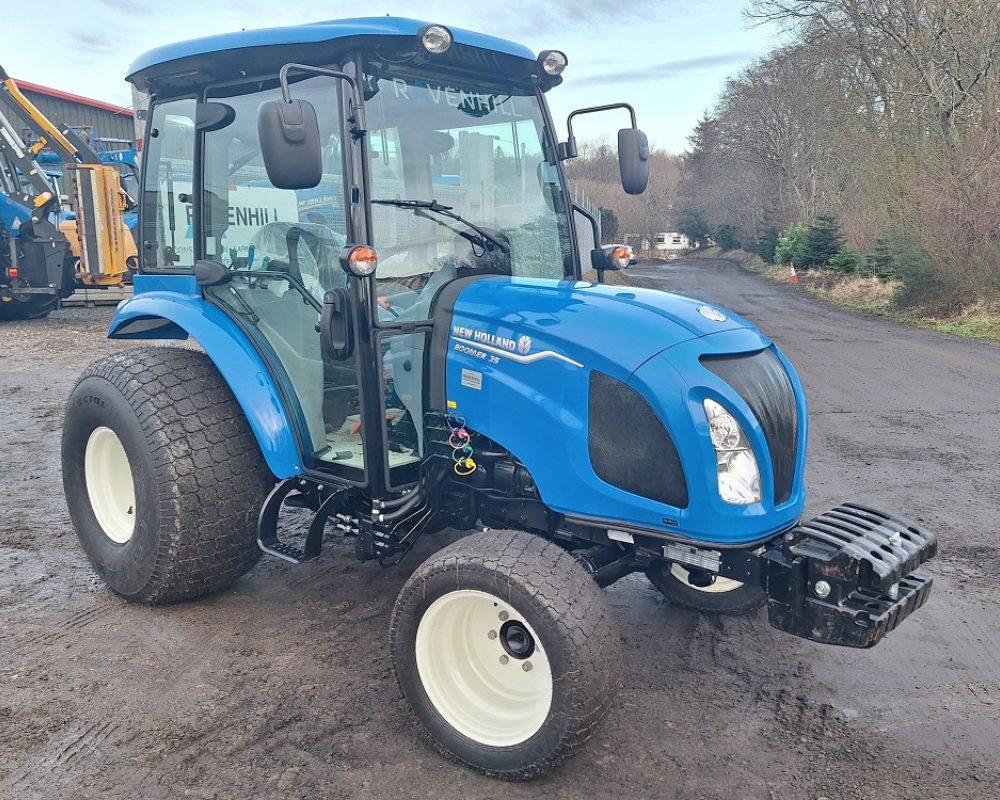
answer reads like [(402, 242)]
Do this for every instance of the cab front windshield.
[(461, 184)]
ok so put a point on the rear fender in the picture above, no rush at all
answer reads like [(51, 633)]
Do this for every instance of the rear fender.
[(172, 307)]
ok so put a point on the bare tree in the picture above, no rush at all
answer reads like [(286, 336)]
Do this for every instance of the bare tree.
[(640, 217), (933, 57)]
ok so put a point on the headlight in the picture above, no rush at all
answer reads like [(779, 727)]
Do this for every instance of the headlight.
[(736, 466)]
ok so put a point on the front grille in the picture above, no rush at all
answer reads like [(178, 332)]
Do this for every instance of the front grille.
[(629, 447), (760, 379)]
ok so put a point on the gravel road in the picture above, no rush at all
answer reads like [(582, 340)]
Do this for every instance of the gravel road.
[(282, 687)]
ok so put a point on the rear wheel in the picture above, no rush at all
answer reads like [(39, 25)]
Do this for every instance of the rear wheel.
[(507, 652), (702, 591), (162, 474), (35, 307)]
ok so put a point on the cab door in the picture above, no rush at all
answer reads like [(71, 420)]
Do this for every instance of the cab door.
[(282, 249)]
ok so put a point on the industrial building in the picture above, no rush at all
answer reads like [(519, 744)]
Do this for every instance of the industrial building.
[(94, 119)]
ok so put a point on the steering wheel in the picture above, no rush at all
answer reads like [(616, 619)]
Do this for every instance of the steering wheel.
[(389, 311)]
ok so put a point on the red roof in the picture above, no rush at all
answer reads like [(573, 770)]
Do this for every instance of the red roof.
[(27, 86)]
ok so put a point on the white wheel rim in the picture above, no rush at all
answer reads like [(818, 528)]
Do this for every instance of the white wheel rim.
[(719, 586), (476, 686), (109, 484)]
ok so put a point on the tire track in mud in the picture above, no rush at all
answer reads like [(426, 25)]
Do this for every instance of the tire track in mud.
[(65, 753), (72, 626), (186, 657)]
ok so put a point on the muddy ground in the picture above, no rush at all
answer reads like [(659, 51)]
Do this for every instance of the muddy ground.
[(282, 686)]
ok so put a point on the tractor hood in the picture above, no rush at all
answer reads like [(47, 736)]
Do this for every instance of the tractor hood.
[(597, 390), (613, 329)]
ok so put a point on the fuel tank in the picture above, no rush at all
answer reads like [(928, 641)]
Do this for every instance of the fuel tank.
[(599, 391)]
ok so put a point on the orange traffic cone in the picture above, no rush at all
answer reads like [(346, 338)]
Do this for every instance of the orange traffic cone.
[(791, 274)]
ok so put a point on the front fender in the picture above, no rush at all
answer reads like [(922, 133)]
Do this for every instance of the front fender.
[(172, 307)]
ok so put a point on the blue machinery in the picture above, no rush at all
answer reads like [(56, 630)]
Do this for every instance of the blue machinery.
[(423, 354)]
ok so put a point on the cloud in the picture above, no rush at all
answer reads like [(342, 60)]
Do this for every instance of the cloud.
[(668, 69), (529, 18), (129, 6), (511, 19), (91, 43)]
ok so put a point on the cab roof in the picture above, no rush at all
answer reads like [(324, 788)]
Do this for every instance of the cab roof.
[(183, 60)]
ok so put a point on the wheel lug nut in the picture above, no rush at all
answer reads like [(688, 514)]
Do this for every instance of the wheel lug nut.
[(526, 666), (492, 635), (503, 616), (504, 659)]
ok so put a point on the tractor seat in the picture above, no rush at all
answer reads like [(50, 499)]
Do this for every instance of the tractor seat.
[(307, 251)]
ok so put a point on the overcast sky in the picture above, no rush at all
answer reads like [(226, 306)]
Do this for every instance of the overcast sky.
[(667, 57)]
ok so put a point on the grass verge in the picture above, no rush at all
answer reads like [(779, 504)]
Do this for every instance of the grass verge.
[(975, 319)]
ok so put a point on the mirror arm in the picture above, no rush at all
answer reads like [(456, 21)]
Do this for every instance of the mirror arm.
[(286, 93), (597, 254), (593, 222), (568, 148)]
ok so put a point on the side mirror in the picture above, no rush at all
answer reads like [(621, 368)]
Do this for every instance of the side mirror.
[(211, 273), (633, 160), (214, 116), (599, 260), (290, 143)]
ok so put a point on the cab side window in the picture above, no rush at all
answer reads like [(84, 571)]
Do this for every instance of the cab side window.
[(167, 214), (250, 224)]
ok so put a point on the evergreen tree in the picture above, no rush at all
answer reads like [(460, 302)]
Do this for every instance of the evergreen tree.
[(725, 237), (765, 245), (879, 258), (793, 247), (691, 222), (824, 240)]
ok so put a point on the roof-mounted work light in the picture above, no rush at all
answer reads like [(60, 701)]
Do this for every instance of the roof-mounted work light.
[(552, 62), (435, 39)]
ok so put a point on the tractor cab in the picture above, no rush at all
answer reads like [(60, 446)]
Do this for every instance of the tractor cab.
[(326, 208)]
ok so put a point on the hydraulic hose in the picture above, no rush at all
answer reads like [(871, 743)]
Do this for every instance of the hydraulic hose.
[(389, 505), (414, 499)]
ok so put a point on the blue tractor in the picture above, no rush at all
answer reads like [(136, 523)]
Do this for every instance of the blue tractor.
[(36, 264), (45, 249), (365, 226)]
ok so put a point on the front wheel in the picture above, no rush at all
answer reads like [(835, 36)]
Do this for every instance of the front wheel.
[(702, 591), (507, 652)]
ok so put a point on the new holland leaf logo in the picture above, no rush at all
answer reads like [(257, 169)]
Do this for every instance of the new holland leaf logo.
[(524, 345)]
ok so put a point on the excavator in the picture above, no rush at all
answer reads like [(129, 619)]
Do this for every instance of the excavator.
[(45, 252)]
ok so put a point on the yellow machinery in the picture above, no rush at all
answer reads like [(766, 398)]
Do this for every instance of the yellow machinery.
[(98, 236), (99, 241)]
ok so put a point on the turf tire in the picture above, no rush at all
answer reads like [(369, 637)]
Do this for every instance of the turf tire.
[(199, 476), (568, 611)]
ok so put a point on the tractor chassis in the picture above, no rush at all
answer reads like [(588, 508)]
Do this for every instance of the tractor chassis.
[(846, 577)]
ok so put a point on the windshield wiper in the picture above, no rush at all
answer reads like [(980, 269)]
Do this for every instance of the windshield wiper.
[(445, 211)]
